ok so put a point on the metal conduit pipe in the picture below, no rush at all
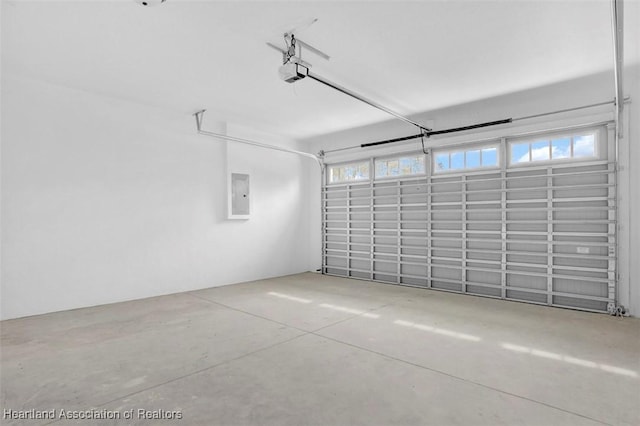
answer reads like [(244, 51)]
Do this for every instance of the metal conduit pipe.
[(199, 116)]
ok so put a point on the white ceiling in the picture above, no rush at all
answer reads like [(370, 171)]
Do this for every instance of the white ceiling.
[(409, 56)]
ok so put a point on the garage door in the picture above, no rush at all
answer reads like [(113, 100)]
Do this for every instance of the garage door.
[(529, 219)]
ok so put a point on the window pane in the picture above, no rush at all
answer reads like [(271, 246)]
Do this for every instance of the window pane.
[(584, 146), (363, 171), (472, 159), (393, 167), (381, 168), (519, 152), (417, 164), (402, 166), (348, 172), (540, 151), (489, 157), (442, 161), (335, 174), (457, 160), (561, 148), (405, 166)]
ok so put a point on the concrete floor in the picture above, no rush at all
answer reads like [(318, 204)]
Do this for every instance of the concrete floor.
[(314, 350)]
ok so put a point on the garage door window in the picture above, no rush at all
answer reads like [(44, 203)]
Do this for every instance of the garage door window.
[(400, 166), (349, 172), (578, 146), (474, 158)]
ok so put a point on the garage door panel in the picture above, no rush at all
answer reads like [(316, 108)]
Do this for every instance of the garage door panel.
[(527, 214), (578, 177), (452, 285), (446, 198), (484, 277), (540, 228), (336, 271), (411, 215), (414, 242), (361, 264), (486, 215), (414, 270), (413, 225), (484, 266), (532, 247), (381, 191), (600, 191), (334, 261), (519, 195), (528, 258), (484, 245), (484, 183), (526, 205), (409, 188), (444, 272), (439, 226), (446, 215), (574, 272), (533, 182), (485, 254), (412, 199), (580, 204), (581, 228), (382, 225), (581, 262), (526, 296), (360, 239), (360, 202), (483, 236), (414, 281), (385, 278), (580, 303), (481, 226), (484, 196), (527, 281), (446, 242), (580, 287), (384, 249), (586, 239), (414, 251), (360, 255), (359, 248), (544, 234), (483, 290), (385, 240), (584, 213), (452, 254), (385, 266), (336, 246)]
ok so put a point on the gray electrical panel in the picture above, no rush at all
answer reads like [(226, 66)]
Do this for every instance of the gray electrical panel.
[(240, 200)]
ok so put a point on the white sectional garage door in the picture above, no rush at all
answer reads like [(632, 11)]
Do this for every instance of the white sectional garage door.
[(530, 229)]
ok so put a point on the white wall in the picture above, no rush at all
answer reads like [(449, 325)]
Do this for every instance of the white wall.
[(104, 200), (584, 91)]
